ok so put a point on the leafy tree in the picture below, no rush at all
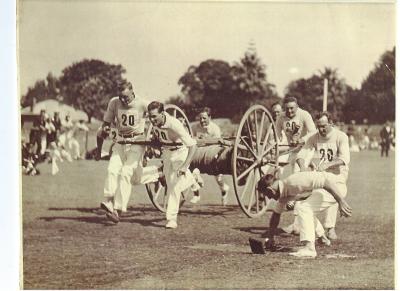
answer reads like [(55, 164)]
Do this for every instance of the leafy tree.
[(377, 93), (250, 81), (209, 84), (180, 101), (227, 90), (89, 84), (42, 90), (309, 92)]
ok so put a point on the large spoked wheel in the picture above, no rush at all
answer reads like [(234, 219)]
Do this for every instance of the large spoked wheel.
[(156, 191), (255, 154)]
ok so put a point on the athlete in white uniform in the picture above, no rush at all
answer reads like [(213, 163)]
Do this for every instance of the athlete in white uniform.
[(297, 124), (332, 146), (208, 129), (127, 112), (276, 111), (73, 142), (176, 158), (295, 187)]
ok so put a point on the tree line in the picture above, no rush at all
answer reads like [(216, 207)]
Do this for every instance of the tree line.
[(229, 89)]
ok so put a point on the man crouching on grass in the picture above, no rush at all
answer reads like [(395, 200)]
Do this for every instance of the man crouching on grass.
[(290, 189)]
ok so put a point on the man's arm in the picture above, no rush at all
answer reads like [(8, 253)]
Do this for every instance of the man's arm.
[(217, 131), (188, 141), (335, 163), (273, 224), (279, 128), (333, 189), (309, 125), (82, 126), (304, 152), (182, 169), (102, 134)]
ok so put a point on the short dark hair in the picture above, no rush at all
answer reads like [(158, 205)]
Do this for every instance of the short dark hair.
[(264, 186), (321, 114), (276, 103), (156, 105), (206, 110), (290, 99), (122, 85)]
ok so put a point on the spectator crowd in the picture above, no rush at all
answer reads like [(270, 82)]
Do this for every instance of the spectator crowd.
[(52, 140)]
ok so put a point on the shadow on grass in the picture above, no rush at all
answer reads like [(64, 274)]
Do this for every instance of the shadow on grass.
[(86, 219), (105, 221), (206, 209), (97, 211), (262, 231), (210, 210)]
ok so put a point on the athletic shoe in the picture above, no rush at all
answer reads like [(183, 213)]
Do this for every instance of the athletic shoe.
[(171, 224), (331, 233), (224, 198), (107, 206), (195, 199), (323, 240), (113, 216), (304, 253)]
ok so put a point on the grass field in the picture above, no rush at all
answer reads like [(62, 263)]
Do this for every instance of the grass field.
[(69, 244)]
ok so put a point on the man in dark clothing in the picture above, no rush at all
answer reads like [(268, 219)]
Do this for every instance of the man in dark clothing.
[(385, 139)]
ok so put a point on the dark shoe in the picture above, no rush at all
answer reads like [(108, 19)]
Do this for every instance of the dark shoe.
[(257, 246), (113, 216)]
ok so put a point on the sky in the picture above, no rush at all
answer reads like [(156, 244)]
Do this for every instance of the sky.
[(157, 42)]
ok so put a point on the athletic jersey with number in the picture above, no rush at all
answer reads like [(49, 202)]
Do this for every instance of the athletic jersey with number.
[(129, 119), (335, 146), (211, 130), (299, 126), (173, 131)]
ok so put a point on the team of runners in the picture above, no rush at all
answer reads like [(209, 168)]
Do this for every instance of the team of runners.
[(313, 181)]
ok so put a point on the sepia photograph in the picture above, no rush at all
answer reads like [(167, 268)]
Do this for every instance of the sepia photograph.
[(206, 144)]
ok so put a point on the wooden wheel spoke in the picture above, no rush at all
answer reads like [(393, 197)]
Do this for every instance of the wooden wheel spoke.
[(248, 147), (268, 149), (245, 159), (253, 156), (250, 133), (244, 191), (247, 171), (158, 191), (256, 191), (260, 132), (252, 193), (256, 129), (266, 138)]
